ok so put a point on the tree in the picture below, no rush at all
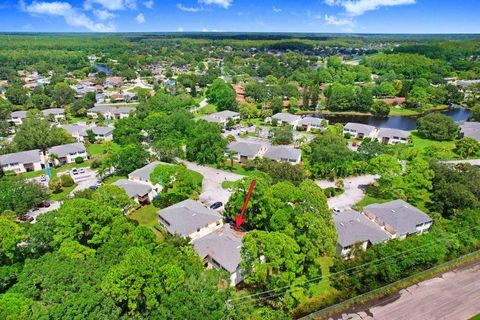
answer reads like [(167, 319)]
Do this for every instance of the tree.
[(222, 95), (467, 147), (66, 180), (380, 108), (10, 236), (35, 132), (91, 136), (16, 95), (14, 306), (40, 101), (206, 144), (55, 184), (113, 196), (283, 171), (282, 135), (476, 113), (128, 159), (63, 94), (19, 195), (437, 126)]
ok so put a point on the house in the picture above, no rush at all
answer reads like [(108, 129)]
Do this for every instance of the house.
[(284, 153), (221, 250), (139, 192), (392, 136), (190, 219), (286, 119), (247, 150), (354, 228), (359, 130), (399, 218), (142, 175), (55, 113), (80, 132), (222, 117), (24, 161), (114, 82), (309, 123), (110, 112), (470, 130), (67, 153), (17, 117)]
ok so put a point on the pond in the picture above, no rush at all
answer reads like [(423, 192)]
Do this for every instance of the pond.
[(102, 68), (397, 122)]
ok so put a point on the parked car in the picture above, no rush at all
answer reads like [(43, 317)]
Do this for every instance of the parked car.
[(94, 187), (216, 205), (44, 204), (25, 217), (336, 210), (74, 171), (43, 178), (82, 170), (99, 184)]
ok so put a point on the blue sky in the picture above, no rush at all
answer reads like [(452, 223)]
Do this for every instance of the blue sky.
[(359, 16)]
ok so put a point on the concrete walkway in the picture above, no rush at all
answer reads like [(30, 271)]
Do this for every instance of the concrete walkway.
[(354, 191)]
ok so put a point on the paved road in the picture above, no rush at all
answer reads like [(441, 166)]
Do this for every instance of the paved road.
[(473, 162), (354, 191), (212, 190), (54, 205), (453, 296)]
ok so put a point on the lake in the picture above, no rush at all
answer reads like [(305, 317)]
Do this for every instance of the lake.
[(102, 68), (397, 122)]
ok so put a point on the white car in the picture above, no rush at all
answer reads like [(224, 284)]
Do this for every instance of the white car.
[(82, 170), (43, 178)]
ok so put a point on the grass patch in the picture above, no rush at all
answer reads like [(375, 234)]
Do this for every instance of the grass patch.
[(477, 317), (62, 195), (324, 284), (237, 168), (147, 216), (114, 178), (443, 149), (227, 184), (367, 201), (99, 149)]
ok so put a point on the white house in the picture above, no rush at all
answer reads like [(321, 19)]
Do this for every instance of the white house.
[(392, 136), (309, 123), (24, 161), (17, 117), (110, 112), (247, 150), (67, 153), (56, 113), (359, 130), (470, 130), (399, 218), (285, 119), (189, 219), (222, 117), (221, 250), (284, 153), (139, 192)]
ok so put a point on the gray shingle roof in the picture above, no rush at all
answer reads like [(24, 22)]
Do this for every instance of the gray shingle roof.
[(19, 114), (470, 130), (74, 129), (353, 227), (54, 111), (223, 245), (184, 218), (282, 153), (390, 133), (65, 149), (144, 172), (248, 149), (24, 157), (98, 131), (220, 116), (310, 121), (133, 188), (286, 117), (110, 109), (360, 127), (400, 215)]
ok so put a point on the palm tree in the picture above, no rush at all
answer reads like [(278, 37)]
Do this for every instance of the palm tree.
[(231, 156), (339, 184), (52, 157)]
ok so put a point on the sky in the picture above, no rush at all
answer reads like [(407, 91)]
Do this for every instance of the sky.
[(322, 16)]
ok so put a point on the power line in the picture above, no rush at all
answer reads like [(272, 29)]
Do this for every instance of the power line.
[(289, 288)]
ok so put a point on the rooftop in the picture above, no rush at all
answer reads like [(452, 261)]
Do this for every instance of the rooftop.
[(243, 148), (24, 157), (144, 172), (282, 153), (132, 188), (65, 149)]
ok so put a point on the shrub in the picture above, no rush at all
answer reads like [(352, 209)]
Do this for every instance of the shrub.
[(79, 160), (55, 185), (66, 180)]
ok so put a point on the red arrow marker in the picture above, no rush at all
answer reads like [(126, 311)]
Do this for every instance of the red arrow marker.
[(239, 219)]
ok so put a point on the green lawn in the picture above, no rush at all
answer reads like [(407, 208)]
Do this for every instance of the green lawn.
[(62, 195), (112, 179), (237, 168), (444, 148), (208, 109), (368, 200), (227, 184), (55, 171), (99, 149), (324, 284), (477, 317), (147, 216)]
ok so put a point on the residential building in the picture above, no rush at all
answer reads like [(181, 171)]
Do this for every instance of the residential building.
[(247, 150), (24, 161), (114, 82), (392, 136), (359, 130), (286, 119), (110, 112), (355, 229), (190, 219), (80, 132), (56, 113), (222, 117), (17, 117), (309, 123), (221, 250), (139, 192), (284, 153), (67, 153), (399, 218), (142, 175), (470, 130)]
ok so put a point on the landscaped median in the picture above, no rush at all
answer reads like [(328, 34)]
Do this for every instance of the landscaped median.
[(390, 288)]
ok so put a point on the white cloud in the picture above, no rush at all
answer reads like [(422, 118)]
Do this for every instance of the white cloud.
[(73, 17), (222, 3), (277, 10), (189, 9), (103, 14), (359, 7), (340, 22), (149, 4), (111, 5), (140, 18), (179, 29)]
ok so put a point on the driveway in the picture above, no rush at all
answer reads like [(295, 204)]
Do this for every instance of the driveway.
[(354, 191), (54, 205), (84, 180), (212, 190)]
